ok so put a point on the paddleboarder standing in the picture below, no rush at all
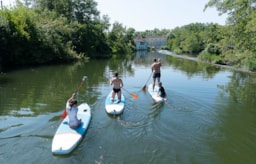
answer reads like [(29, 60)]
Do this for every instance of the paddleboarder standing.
[(117, 85), (155, 67)]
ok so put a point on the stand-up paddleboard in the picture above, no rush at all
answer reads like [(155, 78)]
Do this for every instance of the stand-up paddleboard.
[(155, 92), (65, 138), (115, 107)]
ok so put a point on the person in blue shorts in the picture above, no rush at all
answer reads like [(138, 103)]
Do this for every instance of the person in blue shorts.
[(155, 67)]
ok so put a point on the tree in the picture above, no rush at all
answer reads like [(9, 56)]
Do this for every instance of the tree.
[(242, 23), (85, 11), (82, 11)]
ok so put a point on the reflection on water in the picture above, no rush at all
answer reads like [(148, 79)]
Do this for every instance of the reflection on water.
[(208, 117)]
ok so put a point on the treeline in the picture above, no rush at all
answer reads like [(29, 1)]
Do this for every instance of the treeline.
[(53, 31), (50, 31), (232, 44), (205, 40)]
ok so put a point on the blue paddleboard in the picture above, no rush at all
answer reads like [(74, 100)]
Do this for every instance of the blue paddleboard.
[(115, 107)]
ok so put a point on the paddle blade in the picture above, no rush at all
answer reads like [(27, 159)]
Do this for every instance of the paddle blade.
[(144, 87), (64, 114), (135, 96)]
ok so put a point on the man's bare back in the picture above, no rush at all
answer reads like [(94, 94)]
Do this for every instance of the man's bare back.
[(156, 67), (116, 82)]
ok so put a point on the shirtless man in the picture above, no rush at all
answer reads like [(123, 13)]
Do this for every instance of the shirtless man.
[(117, 85), (156, 72)]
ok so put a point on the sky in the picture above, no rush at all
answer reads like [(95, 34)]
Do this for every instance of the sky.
[(162, 14), (150, 14)]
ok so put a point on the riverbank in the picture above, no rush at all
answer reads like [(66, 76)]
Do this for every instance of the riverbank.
[(166, 52)]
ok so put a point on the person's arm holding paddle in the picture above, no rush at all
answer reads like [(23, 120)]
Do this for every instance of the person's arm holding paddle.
[(64, 114), (71, 98), (72, 109)]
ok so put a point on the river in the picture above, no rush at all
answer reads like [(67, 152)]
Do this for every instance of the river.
[(209, 116)]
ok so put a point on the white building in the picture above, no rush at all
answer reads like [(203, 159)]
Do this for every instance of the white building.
[(155, 42), (140, 43)]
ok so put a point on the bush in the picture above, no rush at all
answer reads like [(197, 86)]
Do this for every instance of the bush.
[(249, 60), (211, 54), (213, 49)]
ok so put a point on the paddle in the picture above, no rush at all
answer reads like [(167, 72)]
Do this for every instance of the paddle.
[(145, 86), (64, 114), (133, 95)]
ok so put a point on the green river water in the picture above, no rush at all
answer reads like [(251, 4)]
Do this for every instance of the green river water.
[(209, 117)]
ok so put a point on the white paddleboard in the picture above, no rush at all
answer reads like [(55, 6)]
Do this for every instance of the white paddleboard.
[(65, 138), (154, 93), (114, 108)]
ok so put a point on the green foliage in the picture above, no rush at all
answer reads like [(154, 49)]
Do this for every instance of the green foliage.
[(50, 31), (90, 39), (248, 61), (213, 49), (211, 54), (193, 38), (18, 33), (177, 50), (83, 11), (37, 38), (241, 33), (211, 58), (50, 35), (57, 39), (154, 32), (251, 64), (120, 39), (53, 31), (191, 44)]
